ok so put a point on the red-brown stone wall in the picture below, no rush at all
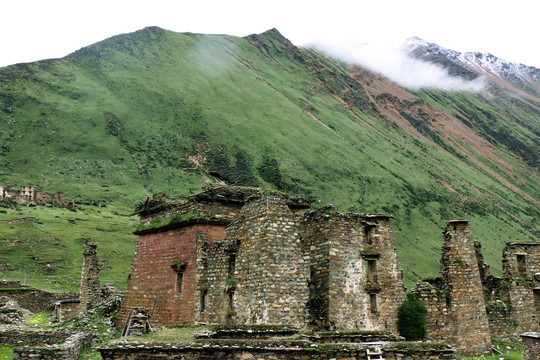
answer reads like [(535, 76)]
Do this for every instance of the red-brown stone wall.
[(152, 283)]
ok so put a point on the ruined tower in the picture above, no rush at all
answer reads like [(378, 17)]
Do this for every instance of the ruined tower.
[(90, 286), (469, 332), (356, 280), (455, 300)]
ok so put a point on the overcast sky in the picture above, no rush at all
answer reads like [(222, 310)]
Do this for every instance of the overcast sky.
[(32, 30)]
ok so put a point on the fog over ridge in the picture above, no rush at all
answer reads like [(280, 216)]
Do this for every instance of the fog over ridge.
[(395, 64)]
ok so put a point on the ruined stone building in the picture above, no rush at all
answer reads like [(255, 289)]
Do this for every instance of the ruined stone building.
[(455, 300), (467, 306), (28, 194), (514, 300), (248, 256)]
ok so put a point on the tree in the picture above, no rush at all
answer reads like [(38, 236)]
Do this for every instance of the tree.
[(242, 170), (269, 170), (412, 318)]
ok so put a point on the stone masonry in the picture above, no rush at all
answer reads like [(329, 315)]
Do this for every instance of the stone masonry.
[(513, 301), (249, 256), (531, 345), (521, 278), (455, 301), (355, 273), (90, 286)]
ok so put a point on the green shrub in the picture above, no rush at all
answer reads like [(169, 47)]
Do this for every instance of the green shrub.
[(412, 319)]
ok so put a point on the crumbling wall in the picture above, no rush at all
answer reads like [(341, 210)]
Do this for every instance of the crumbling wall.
[(90, 286), (276, 350), (213, 272), (45, 344), (521, 275), (501, 323), (30, 298), (27, 194), (457, 300), (259, 269), (469, 330), (434, 294)]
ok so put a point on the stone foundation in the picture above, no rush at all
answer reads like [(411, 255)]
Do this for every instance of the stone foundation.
[(259, 350), (45, 344)]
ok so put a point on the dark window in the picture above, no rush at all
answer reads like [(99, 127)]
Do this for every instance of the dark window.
[(203, 299), (368, 233), (537, 299), (231, 264), (371, 270), (179, 282), (522, 266), (373, 303)]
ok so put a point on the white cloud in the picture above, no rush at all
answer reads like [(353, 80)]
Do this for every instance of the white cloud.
[(396, 65)]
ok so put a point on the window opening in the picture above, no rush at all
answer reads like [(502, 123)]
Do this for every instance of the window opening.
[(231, 264), (368, 233), (373, 303), (537, 299), (522, 267), (179, 282), (203, 299), (371, 270)]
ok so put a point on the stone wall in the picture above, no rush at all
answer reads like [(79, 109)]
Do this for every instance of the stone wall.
[(272, 267), (45, 344), (531, 345), (469, 332), (90, 286), (521, 275), (434, 294), (356, 276), (70, 349), (501, 323), (66, 309), (283, 350), (27, 194), (249, 257), (32, 299), (455, 301), (169, 293)]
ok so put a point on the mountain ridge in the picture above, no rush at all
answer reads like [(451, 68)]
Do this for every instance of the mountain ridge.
[(526, 79), (155, 110)]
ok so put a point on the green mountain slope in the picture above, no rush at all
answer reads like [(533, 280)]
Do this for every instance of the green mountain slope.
[(159, 111)]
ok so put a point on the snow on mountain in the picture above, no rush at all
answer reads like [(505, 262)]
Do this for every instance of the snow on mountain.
[(471, 65)]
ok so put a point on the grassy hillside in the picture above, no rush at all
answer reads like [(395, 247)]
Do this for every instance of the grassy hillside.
[(159, 111)]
